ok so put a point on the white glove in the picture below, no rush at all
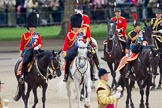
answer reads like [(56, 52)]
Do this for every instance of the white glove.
[(117, 95), (126, 55), (36, 48), (160, 31), (118, 30)]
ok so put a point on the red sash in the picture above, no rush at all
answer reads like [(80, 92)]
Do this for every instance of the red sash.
[(110, 106)]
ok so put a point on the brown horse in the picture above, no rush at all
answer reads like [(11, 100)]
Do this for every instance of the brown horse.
[(112, 50), (46, 65)]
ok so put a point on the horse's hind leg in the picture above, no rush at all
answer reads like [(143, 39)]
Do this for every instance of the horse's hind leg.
[(68, 93), (44, 94), (35, 97), (147, 95)]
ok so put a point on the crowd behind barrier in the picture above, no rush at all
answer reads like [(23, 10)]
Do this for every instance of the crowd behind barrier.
[(14, 12)]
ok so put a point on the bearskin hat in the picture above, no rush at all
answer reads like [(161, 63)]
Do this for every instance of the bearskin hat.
[(76, 20), (32, 19)]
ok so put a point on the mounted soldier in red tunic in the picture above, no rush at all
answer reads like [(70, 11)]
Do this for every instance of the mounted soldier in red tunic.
[(30, 41)]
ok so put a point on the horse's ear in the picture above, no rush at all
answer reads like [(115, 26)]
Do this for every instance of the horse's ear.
[(59, 52), (54, 53)]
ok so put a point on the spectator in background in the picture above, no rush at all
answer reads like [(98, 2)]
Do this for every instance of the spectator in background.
[(21, 12), (10, 10), (2, 13), (45, 11), (32, 5), (110, 8), (56, 10)]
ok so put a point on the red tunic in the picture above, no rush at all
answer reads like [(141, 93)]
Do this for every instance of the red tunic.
[(121, 24), (85, 26), (69, 40), (26, 38)]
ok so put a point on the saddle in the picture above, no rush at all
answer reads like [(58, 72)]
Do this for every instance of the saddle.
[(125, 60)]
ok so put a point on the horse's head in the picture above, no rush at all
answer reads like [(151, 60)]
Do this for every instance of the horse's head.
[(82, 51), (111, 29), (148, 34), (55, 63)]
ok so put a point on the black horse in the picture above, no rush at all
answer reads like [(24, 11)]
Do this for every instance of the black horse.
[(45, 65), (143, 77), (158, 61), (113, 50)]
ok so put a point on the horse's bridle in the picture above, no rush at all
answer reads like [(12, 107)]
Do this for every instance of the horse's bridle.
[(52, 67), (78, 68)]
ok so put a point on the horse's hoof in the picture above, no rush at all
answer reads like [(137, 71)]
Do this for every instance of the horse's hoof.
[(93, 87), (153, 88), (142, 106), (127, 106), (147, 107), (82, 97), (132, 105), (86, 106), (159, 87)]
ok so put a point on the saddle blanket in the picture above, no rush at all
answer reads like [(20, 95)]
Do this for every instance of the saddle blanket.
[(19, 70), (124, 61)]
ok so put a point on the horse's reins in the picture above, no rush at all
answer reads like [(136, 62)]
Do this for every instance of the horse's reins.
[(82, 74), (39, 73)]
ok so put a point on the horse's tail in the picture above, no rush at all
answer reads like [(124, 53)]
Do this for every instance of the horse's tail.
[(18, 94)]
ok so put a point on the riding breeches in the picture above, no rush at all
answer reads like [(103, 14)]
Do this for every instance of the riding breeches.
[(28, 56)]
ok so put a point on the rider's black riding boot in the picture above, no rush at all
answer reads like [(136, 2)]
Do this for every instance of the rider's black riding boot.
[(21, 79), (96, 60), (66, 72)]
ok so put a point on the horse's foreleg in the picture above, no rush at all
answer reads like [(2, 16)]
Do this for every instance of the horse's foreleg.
[(141, 93), (88, 86), (22, 88), (68, 93), (77, 86), (160, 80), (153, 83), (128, 91), (28, 94), (113, 74), (131, 86), (44, 94), (35, 97)]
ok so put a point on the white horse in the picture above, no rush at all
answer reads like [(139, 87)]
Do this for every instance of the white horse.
[(80, 73)]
